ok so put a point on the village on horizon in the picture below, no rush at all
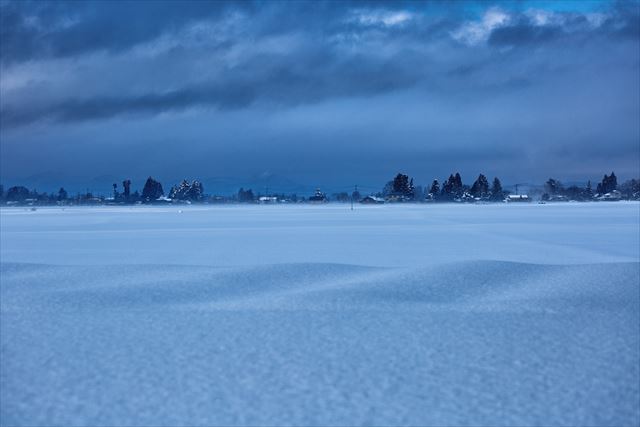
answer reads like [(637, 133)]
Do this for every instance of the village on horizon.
[(399, 190)]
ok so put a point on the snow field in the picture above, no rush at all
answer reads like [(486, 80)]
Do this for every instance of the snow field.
[(298, 315)]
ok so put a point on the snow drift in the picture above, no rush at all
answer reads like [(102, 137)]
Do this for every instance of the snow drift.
[(420, 342)]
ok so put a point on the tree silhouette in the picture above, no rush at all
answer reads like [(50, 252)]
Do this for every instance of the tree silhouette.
[(126, 184), (608, 184), (18, 193), (480, 187), (403, 186), (152, 190), (496, 190)]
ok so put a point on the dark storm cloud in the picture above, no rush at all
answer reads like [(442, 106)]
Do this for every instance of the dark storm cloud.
[(325, 66), (278, 85), (51, 29), (524, 34), (623, 22), (38, 29)]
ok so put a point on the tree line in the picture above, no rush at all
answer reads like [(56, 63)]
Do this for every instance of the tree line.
[(152, 192), (400, 189)]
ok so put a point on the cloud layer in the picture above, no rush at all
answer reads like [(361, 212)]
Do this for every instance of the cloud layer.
[(379, 85)]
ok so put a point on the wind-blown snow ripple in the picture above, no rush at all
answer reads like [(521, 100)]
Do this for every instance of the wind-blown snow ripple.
[(471, 343), (467, 285)]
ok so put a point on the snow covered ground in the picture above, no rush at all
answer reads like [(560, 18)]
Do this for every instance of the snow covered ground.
[(318, 315)]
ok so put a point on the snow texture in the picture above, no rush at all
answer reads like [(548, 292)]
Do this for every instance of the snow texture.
[(318, 315)]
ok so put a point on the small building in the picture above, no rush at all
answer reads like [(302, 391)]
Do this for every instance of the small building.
[(612, 196), (372, 200), (398, 198), (164, 200), (265, 200), (517, 198)]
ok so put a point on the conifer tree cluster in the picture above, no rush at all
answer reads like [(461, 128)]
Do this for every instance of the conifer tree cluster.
[(607, 189), (152, 190), (193, 192), (608, 184), (403, 186), (245, 196), (480, 188), (453, 189)]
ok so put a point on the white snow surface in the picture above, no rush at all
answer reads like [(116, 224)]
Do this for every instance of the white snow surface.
[(319, 315)]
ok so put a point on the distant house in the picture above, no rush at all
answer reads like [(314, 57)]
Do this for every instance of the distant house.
[(372, 200), (518, 198), (612, 196), (163, 199), (398, 198), (558, 198), (267, 200)]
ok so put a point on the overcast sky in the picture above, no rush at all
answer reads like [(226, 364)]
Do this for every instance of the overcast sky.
[(325, 94)]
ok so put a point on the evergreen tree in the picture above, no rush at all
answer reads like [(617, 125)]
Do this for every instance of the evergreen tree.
[(196, 191), (588, 192), (245, 196), (18, 193), (403, 186), (608, 184), (553, 187), (434, 191), (480, 187), (447, 188), (62, 195), (452, 188), (152, 190), (187, 191), (613, 183), (400, 182), (458, 182), (435, 188), (497, 193), (126, 185)]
